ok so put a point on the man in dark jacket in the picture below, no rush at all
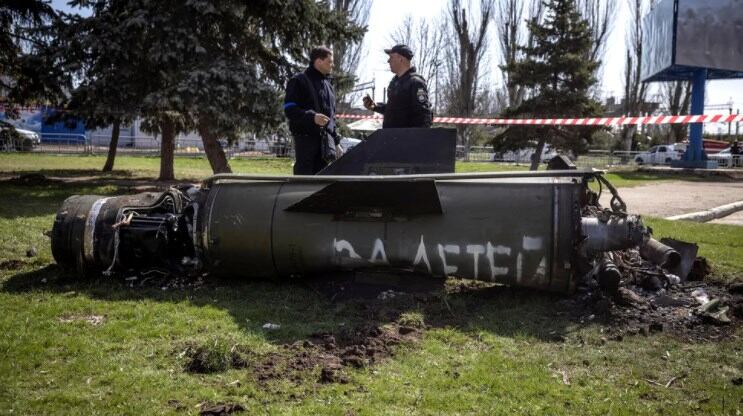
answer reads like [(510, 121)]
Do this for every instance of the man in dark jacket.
[(407, 95), (307, 122)]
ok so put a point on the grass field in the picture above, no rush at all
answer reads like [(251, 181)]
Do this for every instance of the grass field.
[(72, 346), (197, 168)]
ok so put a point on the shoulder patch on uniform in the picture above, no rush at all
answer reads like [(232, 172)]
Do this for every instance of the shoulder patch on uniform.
[(422, 95)]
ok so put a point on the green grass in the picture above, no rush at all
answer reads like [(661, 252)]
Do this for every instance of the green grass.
[(721, 244), (486, 352), (187, 168), (197, 168)]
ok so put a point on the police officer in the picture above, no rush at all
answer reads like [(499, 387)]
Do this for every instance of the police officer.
[(306, 120), (407, 95)]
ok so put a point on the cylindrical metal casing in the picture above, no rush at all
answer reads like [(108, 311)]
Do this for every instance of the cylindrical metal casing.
[(511, 230), (523, 229), (660, 254)]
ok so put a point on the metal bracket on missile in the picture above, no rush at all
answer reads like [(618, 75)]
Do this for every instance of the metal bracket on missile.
[(373, 200)]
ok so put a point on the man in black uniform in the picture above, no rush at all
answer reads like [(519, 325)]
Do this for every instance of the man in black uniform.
[(307, 122), (407, 95)]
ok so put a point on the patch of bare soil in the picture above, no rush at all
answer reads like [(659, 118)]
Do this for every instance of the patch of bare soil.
[(220, 409), (652, 299), (332, 354), (33, 179), (12, 264)]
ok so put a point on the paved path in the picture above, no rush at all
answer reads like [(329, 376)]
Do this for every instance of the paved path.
[(732, 219), (668, 198)]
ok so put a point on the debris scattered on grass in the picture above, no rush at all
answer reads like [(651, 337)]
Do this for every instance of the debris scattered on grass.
[(700, 296), (389, 294), (94, 320), (271, 327), (220, 409)]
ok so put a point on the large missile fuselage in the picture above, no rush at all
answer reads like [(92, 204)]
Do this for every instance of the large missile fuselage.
[(521, 228), (510, 230)]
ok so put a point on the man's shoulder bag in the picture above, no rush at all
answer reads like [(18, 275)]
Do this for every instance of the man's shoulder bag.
[(327, 143)]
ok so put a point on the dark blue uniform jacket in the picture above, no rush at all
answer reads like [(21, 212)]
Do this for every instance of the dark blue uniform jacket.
[(407, 102), (299, 106)]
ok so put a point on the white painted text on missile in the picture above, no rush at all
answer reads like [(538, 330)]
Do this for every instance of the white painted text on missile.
[(450, 254)]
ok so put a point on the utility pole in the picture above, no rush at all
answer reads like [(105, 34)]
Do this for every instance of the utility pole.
[(730, 125)]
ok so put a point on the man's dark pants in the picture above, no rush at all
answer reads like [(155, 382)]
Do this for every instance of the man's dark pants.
[(307, 154)]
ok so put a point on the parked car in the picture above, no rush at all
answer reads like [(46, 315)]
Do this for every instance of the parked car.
[(524, 155), (347, 143), (13, 138), (662, 154), (726, 159)]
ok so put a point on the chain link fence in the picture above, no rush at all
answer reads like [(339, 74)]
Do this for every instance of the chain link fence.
[(98, 144)]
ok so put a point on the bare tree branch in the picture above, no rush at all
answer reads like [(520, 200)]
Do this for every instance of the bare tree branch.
[(348, 54), (512, 33), (635, 91)]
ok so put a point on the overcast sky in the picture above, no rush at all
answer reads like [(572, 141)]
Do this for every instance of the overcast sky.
[(386, 16)]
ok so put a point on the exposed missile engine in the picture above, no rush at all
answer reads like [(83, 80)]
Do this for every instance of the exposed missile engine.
[(540, 229)]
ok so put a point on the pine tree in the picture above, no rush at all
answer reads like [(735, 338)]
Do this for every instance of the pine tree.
[(557, 68), (213, 67)]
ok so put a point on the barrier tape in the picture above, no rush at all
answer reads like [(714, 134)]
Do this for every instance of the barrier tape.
[(603, 121), (597, 121)]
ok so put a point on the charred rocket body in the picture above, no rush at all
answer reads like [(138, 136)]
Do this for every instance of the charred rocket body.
[(541, 229)]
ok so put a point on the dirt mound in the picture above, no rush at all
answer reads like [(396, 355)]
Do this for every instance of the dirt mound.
[(690, 311), (331, 353), (12, 264)]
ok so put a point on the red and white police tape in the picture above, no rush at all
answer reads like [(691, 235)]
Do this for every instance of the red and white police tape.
[(598, 121)]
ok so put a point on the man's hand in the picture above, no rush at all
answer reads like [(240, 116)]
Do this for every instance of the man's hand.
[(338, 151), (369, 103), (321, 120)]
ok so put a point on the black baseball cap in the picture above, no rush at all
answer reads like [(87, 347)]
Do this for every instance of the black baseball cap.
[(400, 49)]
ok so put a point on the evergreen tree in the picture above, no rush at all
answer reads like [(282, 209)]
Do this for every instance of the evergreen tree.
[(558, 69), (26, 76), (214, 67)]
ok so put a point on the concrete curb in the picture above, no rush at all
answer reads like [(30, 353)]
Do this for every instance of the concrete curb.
[(710, 214)]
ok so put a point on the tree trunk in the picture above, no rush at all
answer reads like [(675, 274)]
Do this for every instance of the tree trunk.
[(109, 166), (213, 150), (537, 156), (167, 150)]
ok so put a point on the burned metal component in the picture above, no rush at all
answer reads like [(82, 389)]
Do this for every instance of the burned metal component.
[(660, 254), (688, 253), (517, 228), (612, 233), (561, 162), (608, 275), (143, 231)]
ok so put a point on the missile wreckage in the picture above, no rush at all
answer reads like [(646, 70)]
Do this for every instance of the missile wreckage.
[(542, 229)]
